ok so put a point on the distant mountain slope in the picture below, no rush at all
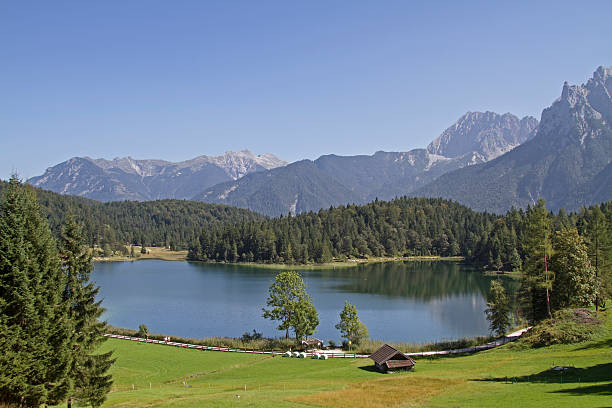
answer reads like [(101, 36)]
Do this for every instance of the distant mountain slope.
[(332, 180), (567, 163), (295, 188), (130, 179)]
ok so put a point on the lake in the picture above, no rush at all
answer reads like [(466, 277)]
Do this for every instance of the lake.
[(414, 302)]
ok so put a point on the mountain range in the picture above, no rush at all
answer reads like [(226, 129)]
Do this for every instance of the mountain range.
[(485, 160), (142, 180), (568, 162), (332, 180), (269, 185)]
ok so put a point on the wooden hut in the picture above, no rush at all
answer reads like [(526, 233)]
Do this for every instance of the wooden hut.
[(387, 358)]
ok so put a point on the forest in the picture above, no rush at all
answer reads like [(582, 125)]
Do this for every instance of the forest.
[(164, 223), (401, 227)]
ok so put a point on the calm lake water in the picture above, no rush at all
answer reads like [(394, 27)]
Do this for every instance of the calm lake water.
[(410, 302)]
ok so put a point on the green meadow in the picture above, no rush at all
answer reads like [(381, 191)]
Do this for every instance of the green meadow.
[(149, 375)]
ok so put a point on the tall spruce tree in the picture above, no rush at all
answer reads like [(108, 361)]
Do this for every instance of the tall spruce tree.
[(36, 330), (598, 235), (89, 370), (537, 278), (498, 308)]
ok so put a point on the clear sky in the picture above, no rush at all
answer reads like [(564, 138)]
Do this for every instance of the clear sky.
[(177, 79)]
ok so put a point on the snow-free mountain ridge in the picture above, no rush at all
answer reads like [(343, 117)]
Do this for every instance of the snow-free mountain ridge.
[(475, 138), (130, 179)]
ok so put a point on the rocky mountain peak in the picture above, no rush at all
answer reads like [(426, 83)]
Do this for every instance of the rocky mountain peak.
[(487, 133), (582, 111)]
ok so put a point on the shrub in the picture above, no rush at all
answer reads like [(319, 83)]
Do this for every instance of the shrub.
[(565, 327)]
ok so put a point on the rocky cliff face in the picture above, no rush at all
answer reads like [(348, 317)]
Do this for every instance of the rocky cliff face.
[(567, 163), (486, 133), (130, 179)]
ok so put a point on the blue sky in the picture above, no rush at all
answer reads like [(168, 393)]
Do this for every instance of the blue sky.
[(177, 79)]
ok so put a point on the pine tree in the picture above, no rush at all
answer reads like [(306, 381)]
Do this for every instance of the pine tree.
[(498, 308), (515, 260), (89, 369), (536, 280), (599, 237), (36, 330)]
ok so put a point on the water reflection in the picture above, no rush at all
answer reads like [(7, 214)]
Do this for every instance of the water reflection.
[(412, 301)]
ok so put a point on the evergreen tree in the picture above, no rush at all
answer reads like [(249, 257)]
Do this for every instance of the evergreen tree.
[(575, 281), (89, 369), (498, 308), (536, 279), (36, 330), (599, 237), (515, 260), (291, 305)]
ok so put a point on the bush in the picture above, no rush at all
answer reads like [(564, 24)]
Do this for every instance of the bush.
[(251, 336), (565, 327)]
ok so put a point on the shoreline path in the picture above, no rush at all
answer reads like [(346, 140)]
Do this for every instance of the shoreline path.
[(506, 339)]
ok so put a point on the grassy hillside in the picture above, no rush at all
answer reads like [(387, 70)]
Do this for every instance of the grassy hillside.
[(217, 379)]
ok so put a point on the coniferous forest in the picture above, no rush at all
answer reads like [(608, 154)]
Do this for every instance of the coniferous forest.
[(163, 223)]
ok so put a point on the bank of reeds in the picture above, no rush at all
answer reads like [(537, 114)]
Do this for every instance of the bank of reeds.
[(259, 344), (371, 345), (269, 344)]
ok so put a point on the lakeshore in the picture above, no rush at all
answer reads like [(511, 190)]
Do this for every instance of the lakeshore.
[(164, 254)]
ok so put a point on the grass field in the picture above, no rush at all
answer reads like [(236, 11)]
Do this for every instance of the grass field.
[(502, 377), (163, 254)]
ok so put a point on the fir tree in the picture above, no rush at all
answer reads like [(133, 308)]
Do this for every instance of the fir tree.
[(498, 308), (89, 370), (599, 237), (36, 330), (536, 279)]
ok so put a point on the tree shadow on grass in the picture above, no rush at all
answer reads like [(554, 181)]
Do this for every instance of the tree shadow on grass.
[(596, 373), (605, 343), (603, 389)]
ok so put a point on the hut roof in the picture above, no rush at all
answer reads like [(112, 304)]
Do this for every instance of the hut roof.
[(391, 356)]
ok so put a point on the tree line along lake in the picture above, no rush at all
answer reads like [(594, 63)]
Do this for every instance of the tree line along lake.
[(413, 302)]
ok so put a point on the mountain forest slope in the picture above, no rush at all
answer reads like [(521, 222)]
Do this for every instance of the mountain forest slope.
[(169, 223)]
